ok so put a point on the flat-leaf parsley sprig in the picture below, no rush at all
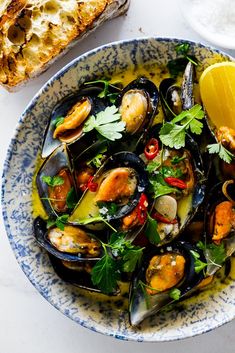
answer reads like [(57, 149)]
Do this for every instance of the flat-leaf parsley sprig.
[(173, 134), (224, 154), (120, 255), (107, 123)]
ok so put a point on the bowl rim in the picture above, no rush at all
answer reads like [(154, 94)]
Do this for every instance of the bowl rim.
[(7, 167)]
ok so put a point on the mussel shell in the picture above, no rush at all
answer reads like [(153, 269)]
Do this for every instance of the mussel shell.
[(151, 91), (121, 159), (170, 95), (61, 110), (57, 161), (141, 307), (40, 232), (214, 198)]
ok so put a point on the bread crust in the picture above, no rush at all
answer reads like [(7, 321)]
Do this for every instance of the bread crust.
[(33, 34)]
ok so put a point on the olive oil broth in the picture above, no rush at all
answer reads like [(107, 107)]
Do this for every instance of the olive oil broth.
[(120, 302)]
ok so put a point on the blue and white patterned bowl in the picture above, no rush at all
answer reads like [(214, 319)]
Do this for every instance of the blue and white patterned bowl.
[(205, 313)]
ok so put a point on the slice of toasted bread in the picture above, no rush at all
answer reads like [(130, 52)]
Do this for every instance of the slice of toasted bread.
[(33, 33)]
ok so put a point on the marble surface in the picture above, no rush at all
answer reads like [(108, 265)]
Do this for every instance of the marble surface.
[(27, 322)]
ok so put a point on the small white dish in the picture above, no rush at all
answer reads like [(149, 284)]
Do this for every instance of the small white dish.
[(214, 20)]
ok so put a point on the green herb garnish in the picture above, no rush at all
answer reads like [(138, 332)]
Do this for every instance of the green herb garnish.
[(107, 208), (59, 222), (152, 166), (223, 153), (151, 230), (198, 264), (173, 135), (177, 160), (98, 159), (171, 172), (175, 293), (106, 90), (53, 181), (107, 123), (215, 254), (58, 121), (71, 198), (107, 270), (183, 49)]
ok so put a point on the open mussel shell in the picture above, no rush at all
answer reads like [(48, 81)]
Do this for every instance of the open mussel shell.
[(220, 221), (146, 300), (175, 98), (109, 179), (138, 104), (75, 246), (94, 104), (54, 198)]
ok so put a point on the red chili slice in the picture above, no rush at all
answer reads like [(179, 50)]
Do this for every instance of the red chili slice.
[(142, 209), (91, 185), (162, 219), (180, 184), (151, 149)]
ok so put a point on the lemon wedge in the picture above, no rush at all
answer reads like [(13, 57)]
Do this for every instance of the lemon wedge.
[(217, 89)]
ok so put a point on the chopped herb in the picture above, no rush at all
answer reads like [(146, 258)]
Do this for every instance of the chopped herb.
[(113, 97), (176, 160), (107, 123), (95, 219), (175, 293), (53, 181), (171, 172), (58, 121), (107, 208), (173, 135), (183, 49), (159, 189), (151, 231), (215, 254), (223, 153), (71, 198), (152, 166), (198, 264), (98, 159)]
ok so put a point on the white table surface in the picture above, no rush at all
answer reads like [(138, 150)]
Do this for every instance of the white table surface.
[(28, 323)]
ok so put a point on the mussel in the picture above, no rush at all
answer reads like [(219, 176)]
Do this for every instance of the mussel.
[(220, 222), (70, 244), (163, 272), (120, 182), (175, 98), (55, 182), (68, 117), (138, 104)]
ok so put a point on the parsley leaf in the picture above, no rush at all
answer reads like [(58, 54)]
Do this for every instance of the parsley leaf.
[(183, 49), (107, 123), (175, 293), (53, 181), (176, 159), (159, 189), (223, 153), (71, 198), (58, 121), (59, 222), (215, 254), (151, 231), (173, 135), (106, 90), (105, 274), (131, 259), (198, 264), (152, 166), (171, 172)]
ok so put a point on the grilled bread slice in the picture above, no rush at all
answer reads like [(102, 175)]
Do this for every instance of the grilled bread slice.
[(33, 33)]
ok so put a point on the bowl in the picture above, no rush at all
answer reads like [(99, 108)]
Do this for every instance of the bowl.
[(205, 312), (213, 22)]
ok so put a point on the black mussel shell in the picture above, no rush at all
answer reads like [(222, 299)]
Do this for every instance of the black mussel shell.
[(40, 233), (187, 96), (61, 110), (57, 161), (142, 304), (121, 159), (151, 93), (219, 193), (170, 95)]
